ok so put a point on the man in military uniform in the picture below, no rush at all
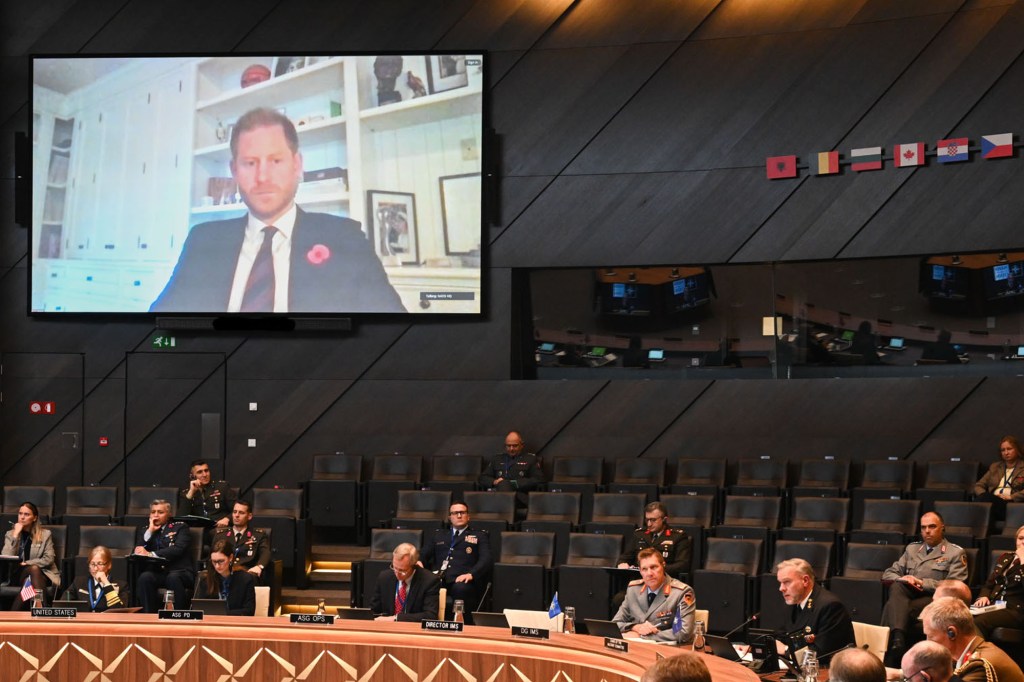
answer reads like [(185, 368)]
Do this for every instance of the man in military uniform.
[(915, 576), (673, 544), (514, 470), (461, 558), (171, 541), (650, 606), (205, 498), (948, 621), (252, 546), (816, 617)]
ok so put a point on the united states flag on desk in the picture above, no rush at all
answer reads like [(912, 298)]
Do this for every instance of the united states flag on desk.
[(27, 591)]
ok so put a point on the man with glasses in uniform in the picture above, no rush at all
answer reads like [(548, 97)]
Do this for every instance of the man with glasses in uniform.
[(672, 543), (460, 557)]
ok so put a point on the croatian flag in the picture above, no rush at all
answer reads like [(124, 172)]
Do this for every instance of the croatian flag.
[(780, 167), (555, 608), (866, 159), (908, 154), (996, 146), (951, 151), (27, 591)]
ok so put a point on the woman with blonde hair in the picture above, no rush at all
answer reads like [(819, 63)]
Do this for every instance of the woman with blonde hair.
[(33, 544)]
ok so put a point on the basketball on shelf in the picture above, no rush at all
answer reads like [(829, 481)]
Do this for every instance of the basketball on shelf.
[(257, 73)]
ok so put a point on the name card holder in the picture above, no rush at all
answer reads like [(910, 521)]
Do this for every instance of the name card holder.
[(164, 614), (531, 633), (312, 618), (49, 612), (442, 625), (616, 644)]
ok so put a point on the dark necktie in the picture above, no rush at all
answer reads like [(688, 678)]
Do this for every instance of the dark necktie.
[(650, 598), (259, 290), (238, 539)]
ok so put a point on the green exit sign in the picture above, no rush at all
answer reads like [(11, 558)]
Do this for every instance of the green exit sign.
[(163, 342)]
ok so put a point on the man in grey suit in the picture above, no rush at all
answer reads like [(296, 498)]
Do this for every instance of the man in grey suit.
[(650, 606)]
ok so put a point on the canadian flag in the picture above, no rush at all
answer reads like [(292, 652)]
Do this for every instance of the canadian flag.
[(908, 154)]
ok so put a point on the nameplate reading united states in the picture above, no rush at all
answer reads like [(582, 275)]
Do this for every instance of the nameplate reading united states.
[(47, 612)]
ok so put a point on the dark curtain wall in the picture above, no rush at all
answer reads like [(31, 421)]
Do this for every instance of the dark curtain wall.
[(630, 132)]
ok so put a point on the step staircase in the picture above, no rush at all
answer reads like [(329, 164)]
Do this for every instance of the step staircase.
[(330, 577)]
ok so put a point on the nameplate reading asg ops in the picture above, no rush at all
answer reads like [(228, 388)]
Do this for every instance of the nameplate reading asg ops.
[(532, 633), (616, 644), (441, 625), (47, 612), (164, 614), (312, 618)]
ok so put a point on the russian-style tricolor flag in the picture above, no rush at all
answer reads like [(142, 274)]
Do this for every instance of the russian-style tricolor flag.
[(996, 146), (951, 151), (868, 158), (827, 163), (908, 154), (780, 167)]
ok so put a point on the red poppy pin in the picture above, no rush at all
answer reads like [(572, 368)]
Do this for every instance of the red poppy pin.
[(318, 255)]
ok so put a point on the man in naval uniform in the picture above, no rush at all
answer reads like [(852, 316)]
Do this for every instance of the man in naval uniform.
[(816, 618)]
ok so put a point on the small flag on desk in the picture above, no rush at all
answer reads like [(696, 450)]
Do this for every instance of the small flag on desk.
[(555, 608), (27, 591), (677, 621)]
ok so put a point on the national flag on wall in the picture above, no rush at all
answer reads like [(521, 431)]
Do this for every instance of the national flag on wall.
[(27, 591), (827, 163), (996, 146), (908, 154), (865, 159), (555, 608), (780, 167), (951, 151)]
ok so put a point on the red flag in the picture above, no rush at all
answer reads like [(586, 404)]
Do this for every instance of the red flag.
[(780, 167)]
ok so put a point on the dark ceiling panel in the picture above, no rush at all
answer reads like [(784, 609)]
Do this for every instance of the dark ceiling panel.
[(734, 102), (354, 25), (623, 418), (973, 431), (178, 27), (596, 23), (652, 218), (70, 25), (500, 64), (796, 419), (928, 102), (886, 10), (22, 23), (734, 18), (503, 24), (464, 348), (517, 193), (541, 133)]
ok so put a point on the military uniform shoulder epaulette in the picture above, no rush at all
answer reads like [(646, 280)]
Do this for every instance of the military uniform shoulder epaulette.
[(679, 585), (638, 581), (917, 542)]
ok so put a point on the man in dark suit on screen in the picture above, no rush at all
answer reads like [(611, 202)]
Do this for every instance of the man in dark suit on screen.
[(278, 258)]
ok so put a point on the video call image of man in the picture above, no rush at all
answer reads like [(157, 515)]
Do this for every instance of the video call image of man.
[(816, 618), (204, 497), (250, 546), (286, 260), (406, 592), (461, 558), (948, 622), (649, 609), (169, 540), (915, 576)]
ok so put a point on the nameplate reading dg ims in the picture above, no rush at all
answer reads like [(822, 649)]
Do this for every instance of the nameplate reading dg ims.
[(533, 633)]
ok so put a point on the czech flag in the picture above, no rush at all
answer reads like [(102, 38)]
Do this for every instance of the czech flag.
[(866, 159), (828, 163), (908, 154), (996, 146), (951, 151), (780, 167)]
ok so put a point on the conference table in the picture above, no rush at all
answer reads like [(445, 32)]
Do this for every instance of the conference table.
[(126, 647)]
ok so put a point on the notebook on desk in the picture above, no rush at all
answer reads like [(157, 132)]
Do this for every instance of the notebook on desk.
[(602, 628), (346, 613), (489, 619), (210, 607)]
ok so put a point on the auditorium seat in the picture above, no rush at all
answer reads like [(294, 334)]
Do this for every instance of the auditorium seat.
[(951, 479), (39, 495), (334, 495), (136, 512), (619, 513), (967, 523), (425, 509), (522, 575), (639, 475), (726, 583), (874, 638), (88, 506), (772, 606), (457, 473), (391, 473), (689, 509), (584, 581), (860, 587), (748, 510), (382, 544), (581, 475), (821, 519), (701, 477), (827, 477), (592, 549), (557, 513), (888, 521), (280, 509), (492, 511), (760, 476), (881, 479)]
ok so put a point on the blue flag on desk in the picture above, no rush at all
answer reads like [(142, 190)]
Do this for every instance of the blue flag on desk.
[(555, 608), (677, 621)]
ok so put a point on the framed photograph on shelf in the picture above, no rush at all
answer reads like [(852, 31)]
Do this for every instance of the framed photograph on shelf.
[(392, 216), (460, 213), (446, 72), (285, 65)]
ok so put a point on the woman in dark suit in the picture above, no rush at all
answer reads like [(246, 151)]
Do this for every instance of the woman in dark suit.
[(1005, 584), (101, 592), (237, 587), (34, 545)]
